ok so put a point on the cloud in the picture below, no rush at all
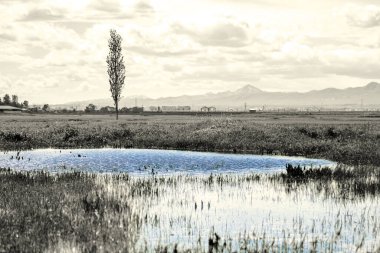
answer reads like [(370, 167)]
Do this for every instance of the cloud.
[(233, 73), (158, 42), (306, 71), (41, 15), (122, 10), (224, 34), (144, 8), (160, 53), (112, 6), (295, 52), (8, 37), (336, 41), (172, 68), (362, 16), (79, 27), (298, 61), (352, 61), (5, 85)]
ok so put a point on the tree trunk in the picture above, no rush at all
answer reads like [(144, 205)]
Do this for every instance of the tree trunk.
[(117, 110)]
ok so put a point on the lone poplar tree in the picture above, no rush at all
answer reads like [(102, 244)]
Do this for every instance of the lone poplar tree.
[(116, 68)]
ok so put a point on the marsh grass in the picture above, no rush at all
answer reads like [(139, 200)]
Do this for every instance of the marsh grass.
[(82, 212), (39, 211)]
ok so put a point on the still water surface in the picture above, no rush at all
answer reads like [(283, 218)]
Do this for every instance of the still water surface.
[(144, 161)]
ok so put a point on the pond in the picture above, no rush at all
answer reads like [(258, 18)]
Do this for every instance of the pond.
[(191, 206), (146, 162)]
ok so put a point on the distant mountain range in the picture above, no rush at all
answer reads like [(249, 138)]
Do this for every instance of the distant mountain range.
[(368, 96)]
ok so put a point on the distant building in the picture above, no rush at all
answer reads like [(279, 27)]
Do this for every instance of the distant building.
[(174, 108), (107, 109), (208, 109), (154, 108), (168, 108), (8, 108), (136, 109), (183, 108)]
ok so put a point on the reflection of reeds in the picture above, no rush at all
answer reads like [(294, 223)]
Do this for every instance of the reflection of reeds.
[(117, 212)]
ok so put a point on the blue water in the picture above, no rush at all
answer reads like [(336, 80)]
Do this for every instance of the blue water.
[(144, 161)]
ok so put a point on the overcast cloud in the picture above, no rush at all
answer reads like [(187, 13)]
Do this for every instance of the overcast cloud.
[(54, 51)]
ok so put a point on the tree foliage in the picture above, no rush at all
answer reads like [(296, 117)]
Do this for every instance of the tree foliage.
[(116, 68), (90, 108), (46, 107), (12, 100), (7, 99)]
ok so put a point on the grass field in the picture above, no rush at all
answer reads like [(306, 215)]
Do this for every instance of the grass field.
[(320, 210)]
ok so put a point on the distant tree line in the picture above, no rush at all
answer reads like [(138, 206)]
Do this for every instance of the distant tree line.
[(13, 101), (91, 108)]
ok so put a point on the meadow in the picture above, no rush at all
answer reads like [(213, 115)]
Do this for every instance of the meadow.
[(298, 210)]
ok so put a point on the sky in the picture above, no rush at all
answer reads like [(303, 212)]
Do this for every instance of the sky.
[(54, 51)]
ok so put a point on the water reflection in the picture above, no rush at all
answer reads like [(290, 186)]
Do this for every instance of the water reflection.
[(256, 212), (145, 162)]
